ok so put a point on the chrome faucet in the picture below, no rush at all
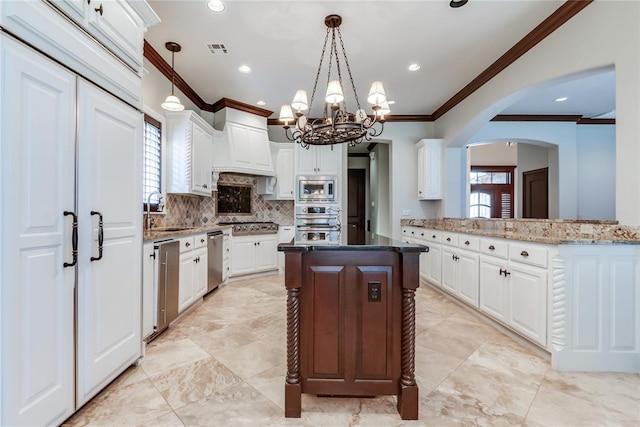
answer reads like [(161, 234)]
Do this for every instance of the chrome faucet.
[(160, 206)]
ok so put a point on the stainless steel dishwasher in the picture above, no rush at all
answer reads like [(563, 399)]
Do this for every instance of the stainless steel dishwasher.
[(215, 248), (167, 261)]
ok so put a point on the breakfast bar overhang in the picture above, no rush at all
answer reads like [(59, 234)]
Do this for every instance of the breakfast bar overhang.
[(351, 321)]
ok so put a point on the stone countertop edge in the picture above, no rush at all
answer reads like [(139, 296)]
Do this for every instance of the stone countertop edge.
[(540, 239), (150, 235), (379, 243)]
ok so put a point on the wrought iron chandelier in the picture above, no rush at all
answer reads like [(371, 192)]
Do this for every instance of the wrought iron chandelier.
[(337, 124)]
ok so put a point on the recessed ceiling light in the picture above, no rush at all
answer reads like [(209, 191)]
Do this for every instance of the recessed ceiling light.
[(261, 102), (215, 5), (244, 69), (561, 99), (391, 102), (413, 67)]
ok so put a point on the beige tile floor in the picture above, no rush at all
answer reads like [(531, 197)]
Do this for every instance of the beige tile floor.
[(224, 364)]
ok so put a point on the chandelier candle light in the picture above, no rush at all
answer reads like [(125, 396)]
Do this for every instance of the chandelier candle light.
[(337, 124)]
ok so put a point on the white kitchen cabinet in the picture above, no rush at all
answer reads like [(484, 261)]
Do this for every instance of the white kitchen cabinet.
[(319, 160), (43, 150), (226, 256), (249, 148), (148, 298), (282, 186), (429, 169), (253, 254), (190, 153), (460, 263), (192, 282), (117, 24), (514, 290)]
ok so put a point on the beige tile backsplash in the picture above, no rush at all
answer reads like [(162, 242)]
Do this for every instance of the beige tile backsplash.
[(199, 211)]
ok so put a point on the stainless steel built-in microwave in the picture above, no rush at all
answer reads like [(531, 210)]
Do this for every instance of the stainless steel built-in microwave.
[(317, 189)]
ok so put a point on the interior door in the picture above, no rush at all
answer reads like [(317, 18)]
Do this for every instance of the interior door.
[(37, 153), (356, 206), (109, 292), (535, 197)]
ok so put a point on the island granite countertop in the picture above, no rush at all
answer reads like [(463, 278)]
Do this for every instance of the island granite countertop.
[(177, 231), (374, 242)]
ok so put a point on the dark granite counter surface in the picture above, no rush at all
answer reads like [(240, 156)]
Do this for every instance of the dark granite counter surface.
[(374, 242), (177, 232)]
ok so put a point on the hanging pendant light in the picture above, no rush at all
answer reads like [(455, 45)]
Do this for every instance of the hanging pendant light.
[(172, 103), (337, 124)]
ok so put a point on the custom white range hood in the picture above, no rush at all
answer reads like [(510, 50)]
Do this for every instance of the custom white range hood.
[(241, 143)]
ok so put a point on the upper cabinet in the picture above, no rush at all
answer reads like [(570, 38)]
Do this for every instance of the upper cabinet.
[(318, 160), (118, 24), (282, 186), (190, 153), (429, 169)]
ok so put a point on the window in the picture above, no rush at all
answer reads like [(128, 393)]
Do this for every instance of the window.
[(152, 168), (491, 192)]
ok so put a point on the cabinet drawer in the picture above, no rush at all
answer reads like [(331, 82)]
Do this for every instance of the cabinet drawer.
[(433, 236), (450, 239), (186, 244), (496, 247), (528, 254), (411, 231), (200, 241), (470, 243)]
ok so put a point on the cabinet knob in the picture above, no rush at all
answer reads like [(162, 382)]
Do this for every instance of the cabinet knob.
[(492, 248), (524, 253), (205, 186), (99, 9), (466, 242), (448, 239), (419, 192), (187, 244), (433, 237), (201, 240)]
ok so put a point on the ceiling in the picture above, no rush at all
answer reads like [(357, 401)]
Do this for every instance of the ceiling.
[(282, 40)]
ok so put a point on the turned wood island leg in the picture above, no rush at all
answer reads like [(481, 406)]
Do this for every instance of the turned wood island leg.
[(292, 389), (408, 397)]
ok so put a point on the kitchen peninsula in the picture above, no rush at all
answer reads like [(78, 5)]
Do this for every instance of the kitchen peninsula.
[(568, 286), (351, 321)]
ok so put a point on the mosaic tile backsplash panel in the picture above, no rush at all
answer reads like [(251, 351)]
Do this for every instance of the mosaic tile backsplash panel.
[(181, 210)]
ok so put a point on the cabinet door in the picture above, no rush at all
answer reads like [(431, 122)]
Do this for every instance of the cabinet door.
[(118, 27), (185, 281), (242, 255), (493, 288), (149, 289), (468, 264), (199, 273), (449, 270), (201, 161), (435, 264), (306, 160), (266, 253), (528, 301), (421, 172), (37, 146), (258, 149), (74, 9), (240, 145), (328, 160), (285, 173), (110, 166)]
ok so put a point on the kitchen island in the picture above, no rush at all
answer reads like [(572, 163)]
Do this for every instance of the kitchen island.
[(351, 321)]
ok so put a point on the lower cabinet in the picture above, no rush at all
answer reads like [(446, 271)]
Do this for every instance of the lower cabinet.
[(193, 270), (253, 254), (460, 274)]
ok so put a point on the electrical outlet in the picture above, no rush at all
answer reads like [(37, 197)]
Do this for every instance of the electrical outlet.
[(406, 212)]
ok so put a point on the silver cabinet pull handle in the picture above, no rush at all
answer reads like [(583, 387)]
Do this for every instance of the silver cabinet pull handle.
[(100, 234), (524, 253), (74, 239)]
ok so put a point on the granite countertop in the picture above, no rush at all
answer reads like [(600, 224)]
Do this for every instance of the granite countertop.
[(374, 243), (552, 232), (169, 232)]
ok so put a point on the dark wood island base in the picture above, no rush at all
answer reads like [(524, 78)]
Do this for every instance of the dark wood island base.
[(351, 322)]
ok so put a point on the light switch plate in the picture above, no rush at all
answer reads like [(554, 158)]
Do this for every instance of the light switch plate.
[(406, 212)]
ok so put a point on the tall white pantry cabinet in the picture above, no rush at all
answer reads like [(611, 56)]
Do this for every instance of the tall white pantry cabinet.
[(70, 215)]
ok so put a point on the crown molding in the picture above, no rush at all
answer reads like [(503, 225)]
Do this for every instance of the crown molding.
[(230, 103), (554, 21), (157, 61), (552, 118), (587, 121)]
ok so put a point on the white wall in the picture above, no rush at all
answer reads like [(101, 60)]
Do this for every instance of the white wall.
[(156, 87), (605, 33), (496, 154), (596, 172)]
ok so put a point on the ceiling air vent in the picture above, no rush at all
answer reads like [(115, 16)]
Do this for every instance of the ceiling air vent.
[(217, 48)]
